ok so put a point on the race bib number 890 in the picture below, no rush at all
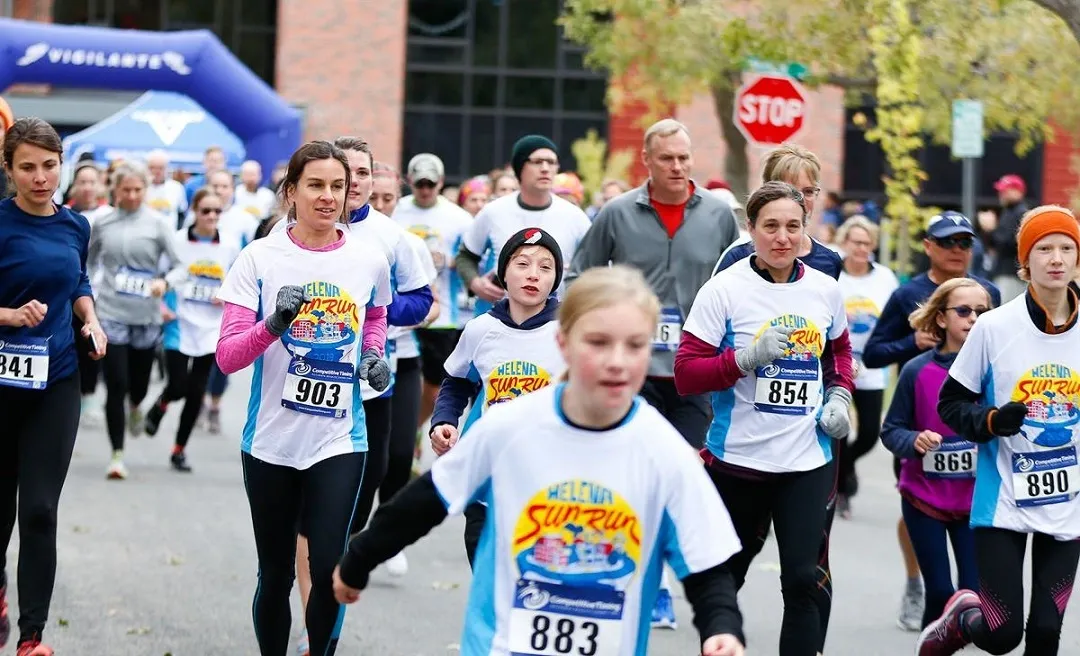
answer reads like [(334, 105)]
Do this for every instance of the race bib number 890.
[(553, 620)]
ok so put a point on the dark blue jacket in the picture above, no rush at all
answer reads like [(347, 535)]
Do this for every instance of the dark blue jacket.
[(822, 258)]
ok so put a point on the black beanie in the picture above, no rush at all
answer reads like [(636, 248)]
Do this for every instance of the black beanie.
[(525, 147), (530, 237)]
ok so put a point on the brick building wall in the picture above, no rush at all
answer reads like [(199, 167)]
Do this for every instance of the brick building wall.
[(1059, 179), (344, 63)]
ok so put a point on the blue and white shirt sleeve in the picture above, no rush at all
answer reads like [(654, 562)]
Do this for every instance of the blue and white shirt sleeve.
[(696, 532), (241, 286), (973, 361), (463, 475)]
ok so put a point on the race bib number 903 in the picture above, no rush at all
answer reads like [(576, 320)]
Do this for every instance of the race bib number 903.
[(317, 387), (552, 620)]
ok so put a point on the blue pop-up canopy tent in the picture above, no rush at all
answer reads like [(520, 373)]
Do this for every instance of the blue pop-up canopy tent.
[(194, 63), (157, 120)]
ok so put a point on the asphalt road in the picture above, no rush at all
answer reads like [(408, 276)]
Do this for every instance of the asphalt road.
[(164, 563)]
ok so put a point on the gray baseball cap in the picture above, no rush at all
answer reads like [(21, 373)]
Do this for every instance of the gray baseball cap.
[(425, 166)]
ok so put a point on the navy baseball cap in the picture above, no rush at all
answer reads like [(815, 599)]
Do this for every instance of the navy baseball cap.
[(948, 224)]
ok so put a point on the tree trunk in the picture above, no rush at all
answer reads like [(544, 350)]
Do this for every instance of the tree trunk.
[(736, 161), (1067, 10)]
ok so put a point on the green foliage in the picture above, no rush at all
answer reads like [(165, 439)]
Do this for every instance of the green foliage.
[(913, 56), (594, 164)]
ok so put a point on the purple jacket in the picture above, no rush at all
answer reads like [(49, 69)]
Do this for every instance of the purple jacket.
[(943, 479)]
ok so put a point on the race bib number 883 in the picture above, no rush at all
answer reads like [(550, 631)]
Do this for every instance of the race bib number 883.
[(552, 620)]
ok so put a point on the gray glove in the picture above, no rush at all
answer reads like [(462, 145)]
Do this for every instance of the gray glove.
[(374, 370), (770, 346), (834, 419), (290, 299)]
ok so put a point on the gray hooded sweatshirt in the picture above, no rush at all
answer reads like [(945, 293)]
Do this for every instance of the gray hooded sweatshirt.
[(127, 250)]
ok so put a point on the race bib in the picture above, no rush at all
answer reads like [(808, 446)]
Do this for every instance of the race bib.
[(319, 387), (668, 330), (202, 290), (787, 387), (1045, 477), (25, 363), (133, 282), (955, 458), (549, 619)]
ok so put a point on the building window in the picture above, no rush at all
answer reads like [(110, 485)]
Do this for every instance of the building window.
[(247, 27), (482, 73)]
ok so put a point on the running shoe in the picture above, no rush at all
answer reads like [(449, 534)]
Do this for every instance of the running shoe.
[(663, 612), (944, 636), (5, 622), (398, 565), (303, 645), (116, 471), (153, 418), (135, 421), (213, 421), (179, 462), (33, 647), (912, 605), (91, 414)]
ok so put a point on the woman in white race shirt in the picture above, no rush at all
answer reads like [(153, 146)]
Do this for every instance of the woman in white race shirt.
[(1015, 390), (866, 286), (194, 313), (306, 306), (768, 337)]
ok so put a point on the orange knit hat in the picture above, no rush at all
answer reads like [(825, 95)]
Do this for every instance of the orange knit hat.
[(1043, 221), (7, 117)]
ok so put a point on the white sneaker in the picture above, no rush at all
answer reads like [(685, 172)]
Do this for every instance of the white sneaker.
[(116, 471), (398, 565)]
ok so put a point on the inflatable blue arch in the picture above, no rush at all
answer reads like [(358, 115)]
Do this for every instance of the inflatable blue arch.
[(194, 63)]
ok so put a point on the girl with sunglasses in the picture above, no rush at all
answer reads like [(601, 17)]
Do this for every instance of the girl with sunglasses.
[(1015, 389), (938, 471), (193, 313)]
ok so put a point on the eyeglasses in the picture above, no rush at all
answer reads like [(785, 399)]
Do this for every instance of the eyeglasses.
[(810, 192), (964, 311), (965, 243), (209, 210), (540, 161)]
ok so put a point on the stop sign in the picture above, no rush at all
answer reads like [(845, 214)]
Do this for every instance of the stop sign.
[(770, 109)]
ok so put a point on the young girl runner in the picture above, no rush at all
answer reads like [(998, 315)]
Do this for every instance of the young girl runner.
[(1014, 389), (505, 353), (937, 476), (191, 337), (307, 306), (589, 491)]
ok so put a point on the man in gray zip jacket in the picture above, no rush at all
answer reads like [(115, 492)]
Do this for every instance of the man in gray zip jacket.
[(674, 232)]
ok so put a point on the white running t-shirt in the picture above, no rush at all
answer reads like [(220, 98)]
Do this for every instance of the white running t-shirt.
[(507, 362), (1027, 482), (197, 326), (768, 420), (305, 404), (441, 227), (864, 297), (579, 525)]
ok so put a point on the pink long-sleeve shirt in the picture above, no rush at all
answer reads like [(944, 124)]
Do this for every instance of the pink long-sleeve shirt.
[(244, 338)]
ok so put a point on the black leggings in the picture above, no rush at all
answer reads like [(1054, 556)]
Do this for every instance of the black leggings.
[(187, 381), (868, 405), (127, 376), (37, 435), (377, 420), (475, 517), (998, 627), (404, 412), (320, 501), (690, 415), (796, 504)]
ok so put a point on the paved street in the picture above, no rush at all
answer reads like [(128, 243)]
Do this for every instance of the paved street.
[(164, 563)]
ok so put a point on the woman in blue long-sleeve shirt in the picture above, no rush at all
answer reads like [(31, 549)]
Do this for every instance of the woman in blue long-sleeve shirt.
[(42, 280)]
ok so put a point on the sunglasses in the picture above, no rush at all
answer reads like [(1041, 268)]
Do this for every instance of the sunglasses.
[(209, 210), (424, 184), (964, 311), (965, 243)]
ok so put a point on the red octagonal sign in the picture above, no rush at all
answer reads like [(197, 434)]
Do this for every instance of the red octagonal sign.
[(770, 109)]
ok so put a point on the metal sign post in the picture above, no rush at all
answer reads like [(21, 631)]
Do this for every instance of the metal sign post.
[(967, 144)]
